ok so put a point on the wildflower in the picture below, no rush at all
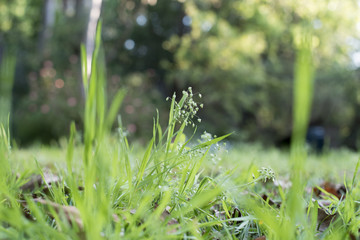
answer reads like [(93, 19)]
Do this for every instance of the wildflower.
[(187, 109), (267, 174)]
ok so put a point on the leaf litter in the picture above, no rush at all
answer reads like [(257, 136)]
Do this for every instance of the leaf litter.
[(326, 215)]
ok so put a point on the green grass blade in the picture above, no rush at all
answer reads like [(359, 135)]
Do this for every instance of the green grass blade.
[(353, 182), (209, 143), (171, 124), (84, 69), (70, 149), (204, 198), (144, 162), (114, 108), (191, 179), (303, 92)]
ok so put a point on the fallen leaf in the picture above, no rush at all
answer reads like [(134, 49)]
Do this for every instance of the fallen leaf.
[(324, 218), (269, 201), (218, 212), (71, 212), (236, 214), (261, 238), (337, 190), (36, 181), (165, 215)]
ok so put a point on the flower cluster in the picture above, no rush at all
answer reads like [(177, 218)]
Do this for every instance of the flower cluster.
[(267, 174), (216, 149), (186, 108)]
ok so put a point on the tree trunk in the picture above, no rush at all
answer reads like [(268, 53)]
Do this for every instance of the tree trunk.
[(95, 11), (49, 20)]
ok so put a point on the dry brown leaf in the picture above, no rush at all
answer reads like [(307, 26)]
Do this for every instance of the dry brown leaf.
[(337, 190), (166, 214), (71, 213), (36, 181), (236, 214), (324, 218), (261, 238), (269, 201)]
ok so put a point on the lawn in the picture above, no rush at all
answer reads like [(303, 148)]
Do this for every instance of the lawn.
[(330, 165), (162, 205)]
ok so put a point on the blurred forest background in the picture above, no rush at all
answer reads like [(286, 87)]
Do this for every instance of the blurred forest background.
[(239, 54)]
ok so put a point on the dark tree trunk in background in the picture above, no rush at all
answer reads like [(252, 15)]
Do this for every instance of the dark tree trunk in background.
[(48, 23), (353, 140), (94, 16), (79, 9)]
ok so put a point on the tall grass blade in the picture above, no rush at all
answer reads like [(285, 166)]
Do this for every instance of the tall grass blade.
[(114, 108), (7, 73), (303, 92), (144, 163), (210, 142)]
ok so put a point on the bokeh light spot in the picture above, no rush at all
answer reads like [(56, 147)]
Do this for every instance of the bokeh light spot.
[(48, 64), (141, 20), (59, 83), (72, 102), (206, 26), (130, 5), (150, 2), (129, 109), (129, 44), (131, 128), (187, 21)]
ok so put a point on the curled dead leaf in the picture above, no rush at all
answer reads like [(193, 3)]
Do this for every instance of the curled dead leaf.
[(236, 214), (166, 215), (337, 190), (270, 202), (34, 182), (324, 217), (261, 238), (71, 213), (37, 180)]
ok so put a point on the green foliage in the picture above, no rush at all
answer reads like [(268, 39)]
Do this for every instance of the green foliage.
[(19, 22), (240, 54)]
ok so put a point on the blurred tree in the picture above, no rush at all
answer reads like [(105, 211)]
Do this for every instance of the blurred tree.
[(19, 22), (133, 34), (240, 55), (19, 27), (47, 79)]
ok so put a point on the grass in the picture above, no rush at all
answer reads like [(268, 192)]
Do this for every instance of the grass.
[(103, 187), (7, 71)]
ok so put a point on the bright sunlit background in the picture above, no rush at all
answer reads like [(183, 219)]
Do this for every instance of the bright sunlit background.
[(238, 54)]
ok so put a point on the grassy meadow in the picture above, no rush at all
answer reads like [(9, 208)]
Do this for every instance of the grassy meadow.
[(100, 186)]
